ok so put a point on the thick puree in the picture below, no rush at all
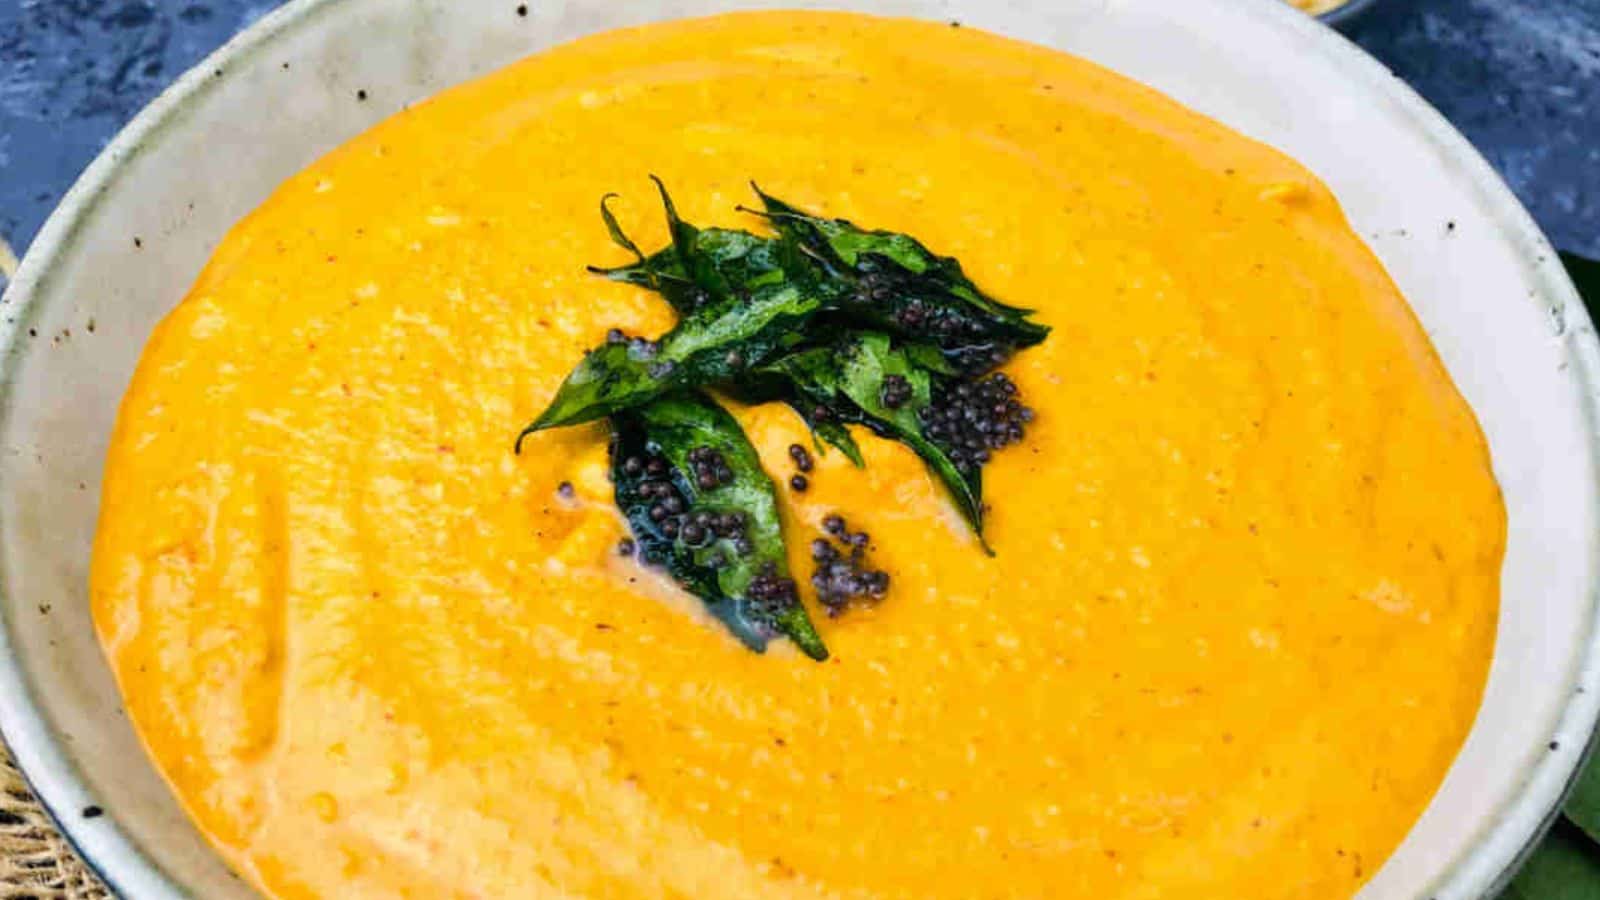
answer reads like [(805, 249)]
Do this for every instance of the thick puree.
[(1245, 592)]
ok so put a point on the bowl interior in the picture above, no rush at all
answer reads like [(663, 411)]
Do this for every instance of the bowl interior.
[(132, 236)]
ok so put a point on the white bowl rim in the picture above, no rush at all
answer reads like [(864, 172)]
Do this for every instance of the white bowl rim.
[(116, 856)]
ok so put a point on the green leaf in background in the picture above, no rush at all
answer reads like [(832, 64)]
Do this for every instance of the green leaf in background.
[(1586, 275), (1565, 867), (1583, 807)]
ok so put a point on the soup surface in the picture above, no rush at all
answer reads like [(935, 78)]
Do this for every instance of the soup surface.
[(1245, 589)]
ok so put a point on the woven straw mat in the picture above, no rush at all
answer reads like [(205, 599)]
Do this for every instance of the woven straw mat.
[(36, 862)]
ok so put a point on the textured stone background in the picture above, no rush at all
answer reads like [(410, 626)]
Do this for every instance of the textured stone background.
[(1520, 77)]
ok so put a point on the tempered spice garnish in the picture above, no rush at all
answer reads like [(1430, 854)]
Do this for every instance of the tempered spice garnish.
[(847, 378), (725, 543), (801, 457), (899, 285), (840, 575), (849, 326), (971, 420)]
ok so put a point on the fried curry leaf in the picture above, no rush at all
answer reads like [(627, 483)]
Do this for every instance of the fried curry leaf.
[(725, 263), (717, 342), (848, 378), (837, 435), (698, 503), (741, 296), (902, 286), (757, 388), (877, 279), (705, 265), (660, 272), (769, 385), (851, 245)]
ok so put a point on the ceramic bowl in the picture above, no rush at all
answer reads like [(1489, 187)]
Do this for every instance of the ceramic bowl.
[(133, 233)]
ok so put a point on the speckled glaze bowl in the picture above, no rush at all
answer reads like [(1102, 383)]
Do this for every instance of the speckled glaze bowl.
[(133, 233)]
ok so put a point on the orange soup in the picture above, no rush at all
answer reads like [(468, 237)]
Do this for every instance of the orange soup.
[(1228, 646)]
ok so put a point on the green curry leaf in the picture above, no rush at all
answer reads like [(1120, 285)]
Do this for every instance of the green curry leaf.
[(712, 344), (891, 282), (722, 569), (838, 436), (847, 379), (618, 236), (857, 248), (876, 279)]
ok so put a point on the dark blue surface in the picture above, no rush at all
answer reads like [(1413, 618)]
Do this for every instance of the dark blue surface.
[(1520, 77)]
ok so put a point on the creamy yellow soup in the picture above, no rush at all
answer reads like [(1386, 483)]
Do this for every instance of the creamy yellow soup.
[(1245, 584)]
